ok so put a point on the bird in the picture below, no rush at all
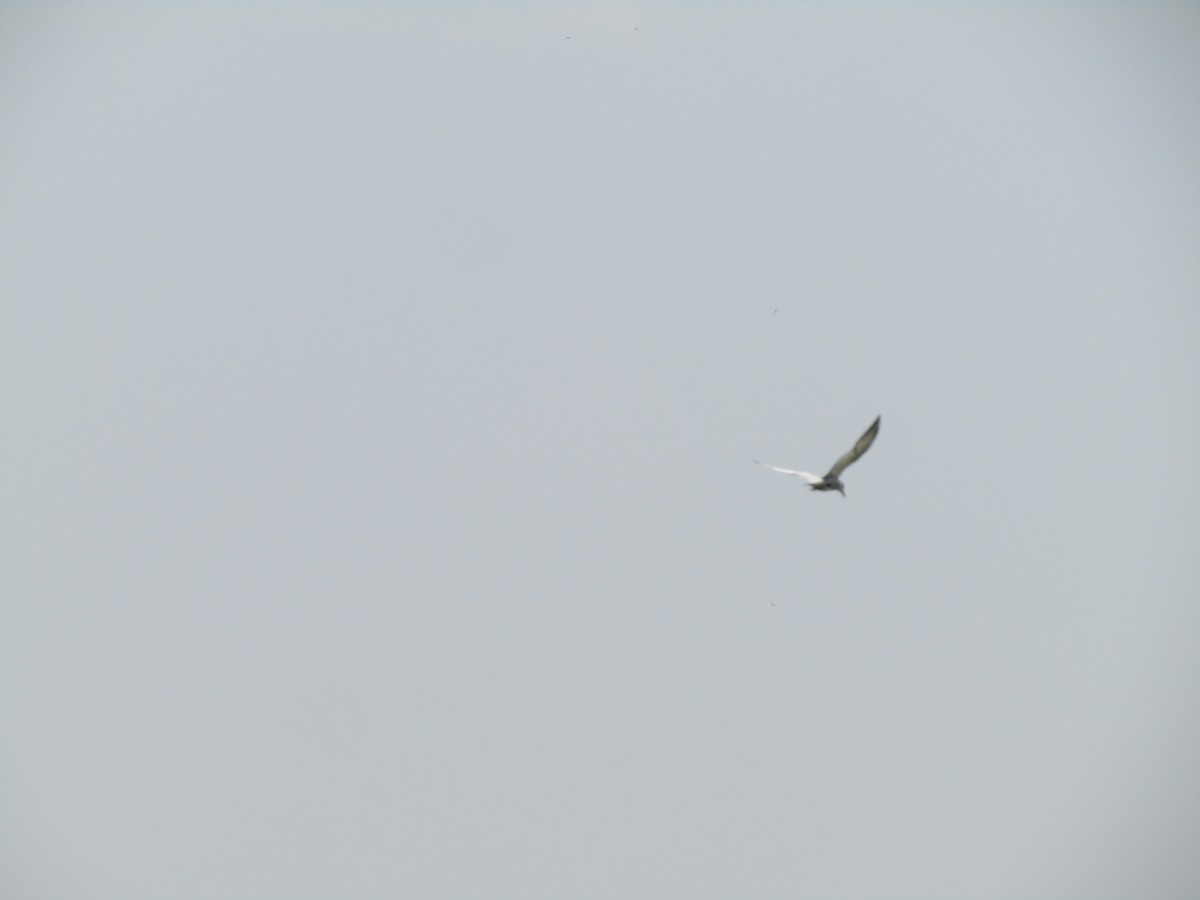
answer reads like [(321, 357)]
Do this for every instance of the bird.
[(832, 480)]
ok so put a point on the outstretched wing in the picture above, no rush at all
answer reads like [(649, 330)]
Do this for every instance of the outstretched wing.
[(807, 476), (860, 447)]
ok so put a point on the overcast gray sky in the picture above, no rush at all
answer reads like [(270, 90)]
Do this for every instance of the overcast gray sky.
[(380, 389)]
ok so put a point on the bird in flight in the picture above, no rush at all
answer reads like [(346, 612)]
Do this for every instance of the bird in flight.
[(831, 481)]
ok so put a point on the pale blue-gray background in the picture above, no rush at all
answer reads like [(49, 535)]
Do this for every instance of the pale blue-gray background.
[(380, 388)]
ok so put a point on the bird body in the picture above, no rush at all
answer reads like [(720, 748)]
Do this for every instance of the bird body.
[(831, 480)]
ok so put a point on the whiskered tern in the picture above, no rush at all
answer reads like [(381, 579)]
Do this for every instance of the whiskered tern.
[(831, 481)]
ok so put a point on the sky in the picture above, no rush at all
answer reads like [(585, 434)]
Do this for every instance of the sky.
[(381, 384)]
